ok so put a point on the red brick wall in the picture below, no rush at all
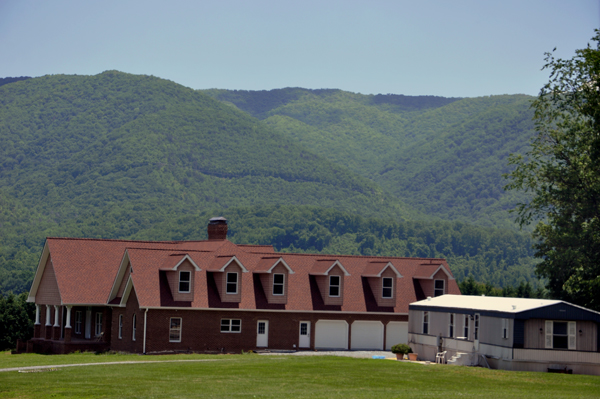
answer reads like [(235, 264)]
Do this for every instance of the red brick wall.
[(201, 329), (127, 344)]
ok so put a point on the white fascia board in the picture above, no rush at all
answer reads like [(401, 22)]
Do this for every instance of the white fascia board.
[(234, 259), (39, 273), (398, 275), (275, 311), (126, 292), (283, 262), (445, 271), (119, 277), (191, 261), (337, 263)]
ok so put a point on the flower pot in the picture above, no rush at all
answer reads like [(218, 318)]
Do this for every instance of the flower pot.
[(399, 356), (412, 356)]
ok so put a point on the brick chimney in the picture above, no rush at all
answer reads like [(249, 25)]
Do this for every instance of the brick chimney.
[(217, 229)]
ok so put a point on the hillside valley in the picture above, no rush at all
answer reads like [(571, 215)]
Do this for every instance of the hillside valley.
[(126, 156)]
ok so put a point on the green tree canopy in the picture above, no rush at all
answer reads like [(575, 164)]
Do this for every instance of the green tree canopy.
[(561, 171)]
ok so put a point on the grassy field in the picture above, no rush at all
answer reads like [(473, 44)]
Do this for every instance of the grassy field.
[(254, 376)]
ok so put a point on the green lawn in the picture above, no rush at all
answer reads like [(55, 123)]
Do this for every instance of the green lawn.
[(275, 376)]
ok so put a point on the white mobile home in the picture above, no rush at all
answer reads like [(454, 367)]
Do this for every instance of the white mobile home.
[(506, 333)]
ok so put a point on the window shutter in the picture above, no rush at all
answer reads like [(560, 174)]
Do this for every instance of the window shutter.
[(572, 335), (548, 334)]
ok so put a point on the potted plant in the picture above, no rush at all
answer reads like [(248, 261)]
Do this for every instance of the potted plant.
[(400, 350)]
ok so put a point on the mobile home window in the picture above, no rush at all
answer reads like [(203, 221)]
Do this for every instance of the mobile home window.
[(466, 327), (561, 334), (175, 329), (184, 281), (451, 326), (476, 327), (334, 285), (278, 284), (439, 288), (388, 287), (425, 322), (505, 328), (232, 283)]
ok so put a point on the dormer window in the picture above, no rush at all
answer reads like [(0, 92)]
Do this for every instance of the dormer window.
[(438, 288), (232, 283), (184, 281), (387, 287), (334, 286), (278, 284)]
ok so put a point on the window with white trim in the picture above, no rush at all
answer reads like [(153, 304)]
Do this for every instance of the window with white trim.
[(185, 278), (278, 284), (78, 321), (232, 283), (425, 322), (175, 329), (466, 326), (505, 328), (476, 327), (133, 328), (231, 325), (120, 326), (438, 288), (387, 287), (451, 325), (98, 325), (334, 285)]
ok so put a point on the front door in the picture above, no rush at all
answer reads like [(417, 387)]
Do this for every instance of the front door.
[(304, 334), (262, 334)]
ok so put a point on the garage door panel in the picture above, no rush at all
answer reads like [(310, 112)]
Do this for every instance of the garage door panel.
[(396, 333), (367, 335), (331, 334)]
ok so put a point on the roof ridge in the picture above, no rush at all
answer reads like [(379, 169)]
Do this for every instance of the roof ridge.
[(351, 256), (123, 240), (170, 249)]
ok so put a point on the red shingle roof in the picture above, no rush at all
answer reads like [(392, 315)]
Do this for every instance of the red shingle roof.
[(86, 270)]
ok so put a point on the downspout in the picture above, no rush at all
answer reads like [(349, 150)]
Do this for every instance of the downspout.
[(145, 317)]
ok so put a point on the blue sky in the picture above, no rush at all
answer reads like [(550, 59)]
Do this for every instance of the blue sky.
[(446, 48)]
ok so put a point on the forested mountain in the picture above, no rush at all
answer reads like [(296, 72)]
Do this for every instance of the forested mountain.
[(125, 156), (444, 156)]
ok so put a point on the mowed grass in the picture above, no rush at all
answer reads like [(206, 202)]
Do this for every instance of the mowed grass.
[(250, 376)]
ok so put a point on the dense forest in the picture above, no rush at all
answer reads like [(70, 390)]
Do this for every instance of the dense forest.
[(137, 157), (443, 156)]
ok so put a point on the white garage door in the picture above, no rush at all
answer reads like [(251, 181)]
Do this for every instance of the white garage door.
[(367, 335), (331, 334), (396, 333)]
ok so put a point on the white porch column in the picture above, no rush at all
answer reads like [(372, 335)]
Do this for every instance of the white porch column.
[(37, 314), (68, 324), (56, 316), (48, 315)]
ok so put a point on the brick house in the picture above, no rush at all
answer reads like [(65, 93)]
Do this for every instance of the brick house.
[(217, 296)]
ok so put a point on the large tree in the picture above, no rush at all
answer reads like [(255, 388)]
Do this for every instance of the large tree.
[(561, 172)]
